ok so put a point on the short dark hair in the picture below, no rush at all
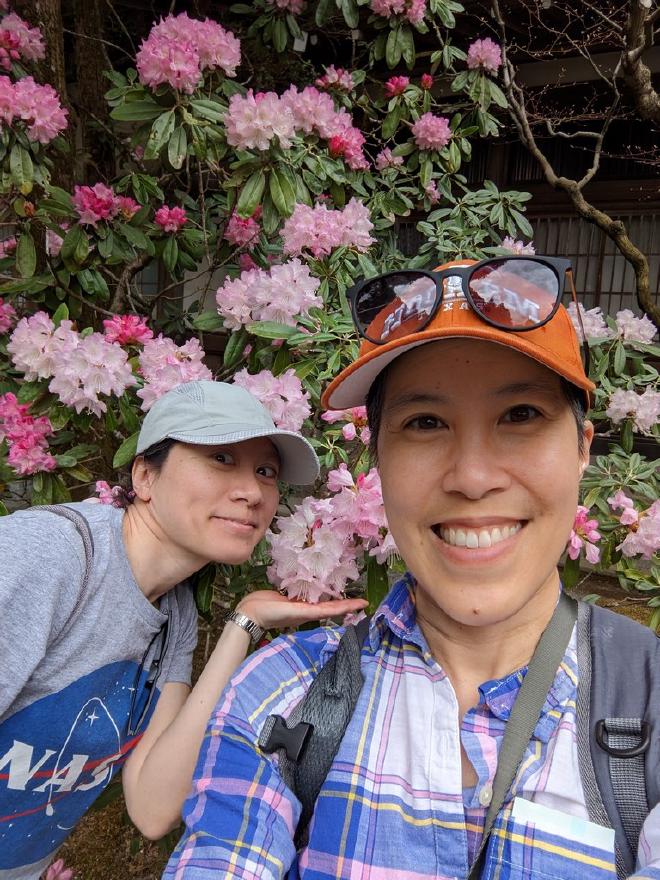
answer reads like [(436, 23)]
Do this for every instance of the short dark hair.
[(376, 400), (155, 456)]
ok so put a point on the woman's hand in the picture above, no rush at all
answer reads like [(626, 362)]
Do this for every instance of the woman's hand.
[(271, 610)]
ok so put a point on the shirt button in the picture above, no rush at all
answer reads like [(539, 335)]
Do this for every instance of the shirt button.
[(486, 795)]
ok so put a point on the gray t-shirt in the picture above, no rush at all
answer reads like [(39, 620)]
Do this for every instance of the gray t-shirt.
[(74, 665)]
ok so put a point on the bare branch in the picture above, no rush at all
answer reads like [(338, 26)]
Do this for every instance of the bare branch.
[(637, 74)]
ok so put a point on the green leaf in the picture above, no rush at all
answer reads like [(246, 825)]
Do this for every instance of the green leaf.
[(282, 192), (75, 248), (350, 12), (627, 438), (393, 47), (321, 13), (128, 415), (126, 451), (209, 320), (61, 314), (42, 489), (137, 111), (21, 168), (271, 330), (235, 346), (26, 256), (136, 237), (377, 583), (407, 42), (619, 359), (203, 582), (391, 122), (571, 572), (208, 109), (170, 254), (177, 148), (280, 35), (251, 194), (93, 283), (3, 510)]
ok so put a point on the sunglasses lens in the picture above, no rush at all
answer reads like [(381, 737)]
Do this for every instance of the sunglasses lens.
[(514, 294), (395, 305)]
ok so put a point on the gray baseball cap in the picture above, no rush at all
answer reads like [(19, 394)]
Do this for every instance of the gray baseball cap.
[(214, 413)]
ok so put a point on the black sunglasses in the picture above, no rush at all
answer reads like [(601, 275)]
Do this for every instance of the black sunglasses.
[(163, 635), (516, 293)]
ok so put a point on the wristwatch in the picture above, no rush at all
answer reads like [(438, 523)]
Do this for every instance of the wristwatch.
[(253, 629)]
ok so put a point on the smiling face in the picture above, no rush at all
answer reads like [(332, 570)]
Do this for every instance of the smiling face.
[(480, 466), (213, 503)]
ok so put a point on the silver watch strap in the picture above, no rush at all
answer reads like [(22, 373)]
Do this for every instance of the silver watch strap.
[(253, 629)]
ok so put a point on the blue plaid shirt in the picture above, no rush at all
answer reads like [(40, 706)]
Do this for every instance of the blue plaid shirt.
[(393, 805)]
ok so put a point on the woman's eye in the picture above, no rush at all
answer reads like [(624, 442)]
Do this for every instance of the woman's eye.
[(425, 423), (522, 413), (267, 470), (224, 458)]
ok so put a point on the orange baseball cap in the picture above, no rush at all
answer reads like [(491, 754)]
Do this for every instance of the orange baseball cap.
[(555, 345)]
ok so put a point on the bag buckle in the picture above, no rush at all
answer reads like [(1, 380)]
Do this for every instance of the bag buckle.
[(276, 735), (631, 752)]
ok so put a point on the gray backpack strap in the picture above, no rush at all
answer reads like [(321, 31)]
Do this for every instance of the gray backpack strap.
[(308, 740), (618, 704), (82, 527)]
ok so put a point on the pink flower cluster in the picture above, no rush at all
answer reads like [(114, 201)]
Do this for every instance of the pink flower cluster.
[(18, 40), (336, 78), (170, 219), (253, 120), (315, 550), (620, 501), (634, 329), (292, 6), (94, 203), (320, 229), (643, 538), (643, 409), (36, 105), (413, 10), (592, 320), (242, 232), (485, 55), (515, 246), (7, 316), (127, 329), (282, 395), (279, 294), (583, 534), (387, 159), (431, 132), (178, 49), (7, 246), (164, 365), (431, 192), (25, 436), (396, 85), (80, 367), (356, 422)]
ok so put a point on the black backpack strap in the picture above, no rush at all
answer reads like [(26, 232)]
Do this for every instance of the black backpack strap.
[(618, 700), (82, 527), (308, 740)]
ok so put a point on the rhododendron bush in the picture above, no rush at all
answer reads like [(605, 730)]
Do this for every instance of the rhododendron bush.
[(257, 201)]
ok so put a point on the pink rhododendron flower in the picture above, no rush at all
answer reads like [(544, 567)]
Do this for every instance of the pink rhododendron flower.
[(431, 192), (170, 219), (292, 6), (356, 419), (16, 35), (413, 10), (396, 85), (484, 54), (57, 871), (620, 501), (426, 81), (37, 346), (164, 365), (7, 247), (320, 229), (634, 329), (241, 232), (592, 320), (94, 203), (515, 246), (246, 262), (179, 48), (583, 535), (127, 207), (53, 243), (280, 294), (7, 316), (336, 78), (643, 409), (282, 395), (127, 329), (431, 132), (36, 105), (644, 538), (387, 159), (25, 436), (252, 121)]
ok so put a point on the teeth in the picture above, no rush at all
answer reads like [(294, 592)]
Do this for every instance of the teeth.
[(483, 538)]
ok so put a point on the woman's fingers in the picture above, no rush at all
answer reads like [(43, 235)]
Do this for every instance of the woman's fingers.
[(271, 610)]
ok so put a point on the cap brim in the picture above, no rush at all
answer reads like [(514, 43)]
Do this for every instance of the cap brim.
[(351, 386), (299, 464)]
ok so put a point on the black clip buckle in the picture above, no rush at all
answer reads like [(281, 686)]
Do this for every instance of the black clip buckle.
[(633, 751), (293, 740)]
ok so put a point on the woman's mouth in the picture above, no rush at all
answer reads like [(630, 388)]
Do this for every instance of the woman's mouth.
[(477, 538)]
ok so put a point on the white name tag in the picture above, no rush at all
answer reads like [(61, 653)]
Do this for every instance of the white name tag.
[(563, 824)]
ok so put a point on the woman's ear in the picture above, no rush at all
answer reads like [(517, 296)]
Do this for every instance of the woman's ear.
[(142, 477), (588, 437)]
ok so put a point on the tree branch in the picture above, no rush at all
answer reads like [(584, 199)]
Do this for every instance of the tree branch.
[(635, 73)]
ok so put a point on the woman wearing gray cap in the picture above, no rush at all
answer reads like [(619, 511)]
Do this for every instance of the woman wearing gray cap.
[(98, 624)]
